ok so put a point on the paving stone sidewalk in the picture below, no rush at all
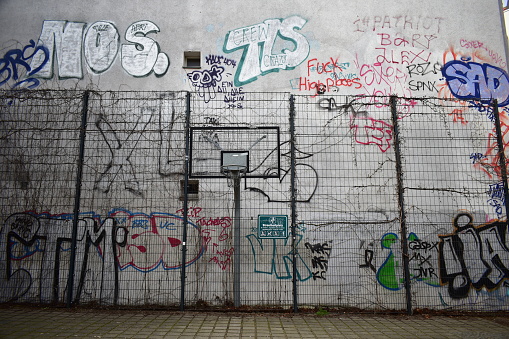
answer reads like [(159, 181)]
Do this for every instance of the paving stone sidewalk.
[(45, 322)]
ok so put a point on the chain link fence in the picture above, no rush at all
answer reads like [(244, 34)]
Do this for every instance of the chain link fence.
[(255, 200)]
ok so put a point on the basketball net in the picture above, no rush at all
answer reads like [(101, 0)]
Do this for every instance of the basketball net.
[(233, 173)]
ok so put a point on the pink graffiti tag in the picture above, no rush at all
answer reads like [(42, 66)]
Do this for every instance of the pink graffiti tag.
[(371, 131), (220, 255)]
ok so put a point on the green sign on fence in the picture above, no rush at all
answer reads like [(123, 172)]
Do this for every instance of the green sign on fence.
[(273, 226)]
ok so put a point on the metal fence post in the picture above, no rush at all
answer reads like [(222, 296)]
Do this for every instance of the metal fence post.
[(501, 156), (401, 205), (185, 205), (77, 198), (293, 202)]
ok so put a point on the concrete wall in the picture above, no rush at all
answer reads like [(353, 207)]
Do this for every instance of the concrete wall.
[(350, 47)]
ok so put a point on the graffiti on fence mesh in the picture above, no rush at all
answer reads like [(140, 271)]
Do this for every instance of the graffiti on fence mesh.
[(366, 129), (422, 262), (490, 162), (320, 252), (216, 232), (154, 241), (121, 166), (28, 235), (497, 198), (274, 257), (488, 110), (473, 256), (122, 139), (121, 144), (36, 247), (306, 190)]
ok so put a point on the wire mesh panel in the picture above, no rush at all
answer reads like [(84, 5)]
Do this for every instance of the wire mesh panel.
[(347, 200), (454, 198), (39, 133), (131, 204), (258, 125)]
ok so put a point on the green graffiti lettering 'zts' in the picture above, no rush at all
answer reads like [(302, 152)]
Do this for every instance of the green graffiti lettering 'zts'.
[(258, 42)]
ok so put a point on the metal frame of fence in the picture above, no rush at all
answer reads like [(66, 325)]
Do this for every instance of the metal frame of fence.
[(370, 203)]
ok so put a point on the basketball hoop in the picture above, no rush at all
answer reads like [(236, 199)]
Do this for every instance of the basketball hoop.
[(234, 165), (233, 173)]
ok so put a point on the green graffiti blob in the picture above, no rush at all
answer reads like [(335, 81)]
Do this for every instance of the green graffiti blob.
[(386, 274)]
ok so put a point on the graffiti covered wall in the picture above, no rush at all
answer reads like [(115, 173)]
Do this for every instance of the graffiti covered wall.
[(232, 69), (389, 51)]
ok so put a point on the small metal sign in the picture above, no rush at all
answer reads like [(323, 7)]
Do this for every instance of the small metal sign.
[(273, 226)]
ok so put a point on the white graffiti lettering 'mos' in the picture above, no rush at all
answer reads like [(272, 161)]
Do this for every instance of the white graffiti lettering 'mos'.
[(100, 44), (258, 42)]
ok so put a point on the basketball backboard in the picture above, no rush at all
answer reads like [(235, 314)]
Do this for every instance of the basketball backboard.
[(212, 148)]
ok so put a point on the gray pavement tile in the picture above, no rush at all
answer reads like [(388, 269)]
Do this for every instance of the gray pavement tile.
[(49, 322)]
